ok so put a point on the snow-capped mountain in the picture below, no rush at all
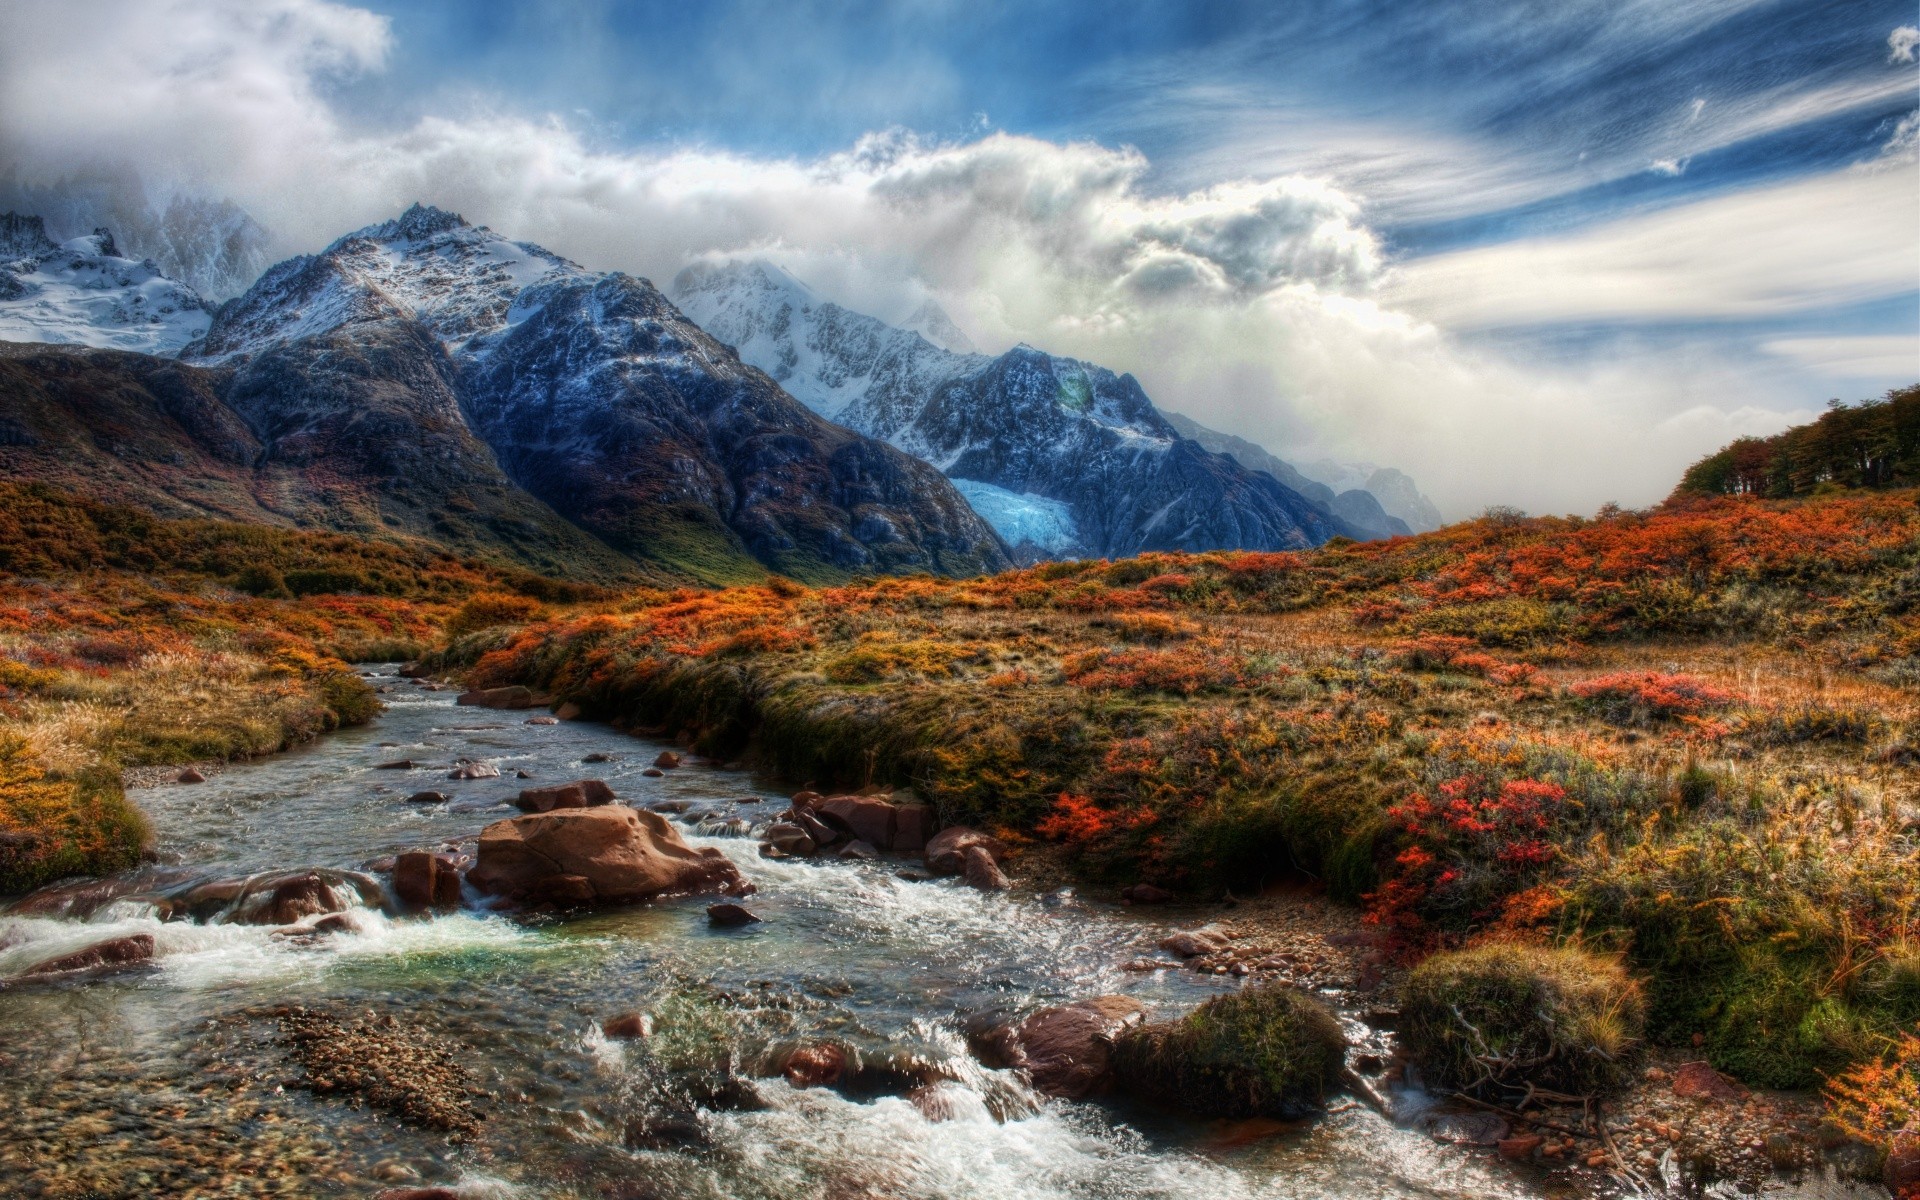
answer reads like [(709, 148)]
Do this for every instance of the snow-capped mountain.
[(599, 398), (1063, 457), (212, 246), (82, 292)]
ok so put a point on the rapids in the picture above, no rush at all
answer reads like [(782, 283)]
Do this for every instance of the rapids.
[(172, 1080)]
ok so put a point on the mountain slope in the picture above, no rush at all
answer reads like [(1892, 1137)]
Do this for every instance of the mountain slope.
[(82, 292), (1358, 507), (601, 400), (358, 435), (1065, 457)]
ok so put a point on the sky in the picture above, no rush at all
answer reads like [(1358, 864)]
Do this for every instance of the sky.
[(1534, 252)]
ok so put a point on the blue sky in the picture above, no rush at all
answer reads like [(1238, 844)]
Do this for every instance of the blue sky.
[(1459, 236)]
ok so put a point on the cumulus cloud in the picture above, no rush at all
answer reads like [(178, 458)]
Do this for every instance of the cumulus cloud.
[(1264, 306), (1901, 43)]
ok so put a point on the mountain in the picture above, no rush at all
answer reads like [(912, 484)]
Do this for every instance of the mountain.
[(1065, 458), (1396, 492), (1358, 507), (212, 246), (595, 397), (82, 292)]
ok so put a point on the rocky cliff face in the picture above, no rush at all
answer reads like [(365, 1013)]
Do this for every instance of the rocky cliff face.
[(1065, 457), (597, 398), (1359, 508)]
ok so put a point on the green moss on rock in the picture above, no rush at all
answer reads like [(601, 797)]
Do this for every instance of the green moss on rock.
[(1263, 1052)]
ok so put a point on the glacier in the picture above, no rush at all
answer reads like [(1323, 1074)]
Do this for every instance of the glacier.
[(1022, 518)]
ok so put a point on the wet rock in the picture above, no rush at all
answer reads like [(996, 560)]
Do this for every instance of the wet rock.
[(790, 839), (1192, 943), (523, 773), (503, 697), (581, 793), (628, 1027), (876, 820), (343, 922), (823, 835), (1145, 893), (730, 916), (598, 756), (568, 711), (1519, 1148), (286, 899), (980, 871), (820, 1065), (945, 1100), (1067, 1050), (427, 879), (653, 773), (807, 799), (189, 776), (119, 952), (1699, 1081), (622, 854), (913, 876), (945, 851), (748, 800), (543, 720), (667, 760), (398, 764), (474, 770), (428, 798), (859, 850)]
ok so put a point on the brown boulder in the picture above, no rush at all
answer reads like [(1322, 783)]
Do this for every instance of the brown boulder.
[(503, 697), (815, 1066), (876, 820), (1145, 893), (568, 711), (667, 760), (628, 1026), (284, 899), (945, 852), (622, 855), (1191, 943), (425, 879), (189, 776), (728, 915), (1699, 1081), (582, 793), (1066, 1051), (981, 871), (790, 839), (123, 951)]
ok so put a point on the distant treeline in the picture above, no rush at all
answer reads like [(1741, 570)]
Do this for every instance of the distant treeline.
[(1873, 444)]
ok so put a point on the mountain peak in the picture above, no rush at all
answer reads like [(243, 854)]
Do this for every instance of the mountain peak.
[(742, 276), (418, 223), (22, 236), (931, 321)]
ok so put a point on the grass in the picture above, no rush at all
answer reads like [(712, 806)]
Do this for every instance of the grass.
[(1502, 1016)]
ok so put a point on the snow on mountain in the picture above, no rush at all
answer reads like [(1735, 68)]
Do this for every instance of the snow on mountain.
[(1033, 426), (931, 321), (459, 280), (599, 398), (212, 246), (82, 292)]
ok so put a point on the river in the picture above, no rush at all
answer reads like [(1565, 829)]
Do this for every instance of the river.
[(174, 1080)]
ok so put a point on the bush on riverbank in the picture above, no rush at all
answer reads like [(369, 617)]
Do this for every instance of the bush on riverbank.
[(1267, 1051), (1502, 1017)]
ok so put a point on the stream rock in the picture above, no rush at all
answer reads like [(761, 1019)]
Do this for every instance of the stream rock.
[(119, 952), (730, 915), (790, 839), (946, 851), (607, 855), (1192, 943), (877, 820), (982, 872), (1067, 1050), (427, 879), (285, 899), (474, 770), (582, 793)]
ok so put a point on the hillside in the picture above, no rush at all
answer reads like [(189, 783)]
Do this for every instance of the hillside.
[(1685, 734)]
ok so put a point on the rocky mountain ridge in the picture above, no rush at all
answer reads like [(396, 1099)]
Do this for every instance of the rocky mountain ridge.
[(1064, 457), (83, 292)]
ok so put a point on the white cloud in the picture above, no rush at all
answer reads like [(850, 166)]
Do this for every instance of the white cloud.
[(1901, 43), (1835, 239), (1254, 304), (1893, 356)]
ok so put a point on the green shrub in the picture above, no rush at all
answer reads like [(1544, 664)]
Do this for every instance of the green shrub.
[(1267, 1051), (1496, 1018)]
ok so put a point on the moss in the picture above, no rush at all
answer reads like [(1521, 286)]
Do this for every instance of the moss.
[(1264, 1052), (53, 828), (1500, 1017)]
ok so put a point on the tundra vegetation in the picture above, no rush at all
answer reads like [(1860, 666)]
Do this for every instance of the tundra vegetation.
[(1654, 767)]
